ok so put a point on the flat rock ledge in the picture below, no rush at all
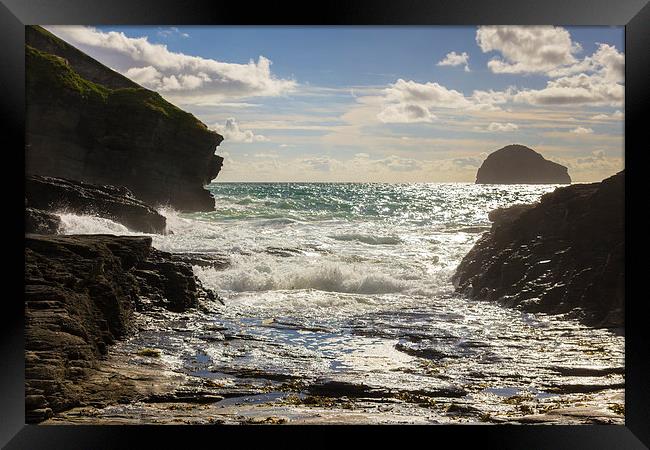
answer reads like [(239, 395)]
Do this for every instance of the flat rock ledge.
[(80, 294), (112, 202), (564, 254)]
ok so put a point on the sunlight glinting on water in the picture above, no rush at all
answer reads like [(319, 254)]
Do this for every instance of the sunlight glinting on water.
[(350, 282)]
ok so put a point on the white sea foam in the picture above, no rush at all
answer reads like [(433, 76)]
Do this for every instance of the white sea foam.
[(337, 248), (270, 274), (84, 224)]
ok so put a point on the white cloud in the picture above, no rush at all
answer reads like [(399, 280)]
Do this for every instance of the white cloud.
[(171, 31), (145, 76), (592, 167), (582, 130), (405, 113), (487, 100), (183, 78), (606, 60), (576, 89), (319, 163), (596, 79), (397, 164), (615, 115), (430, 94), (527, 49), (410, 102), (455, 59), (231, 132), (496, 126)]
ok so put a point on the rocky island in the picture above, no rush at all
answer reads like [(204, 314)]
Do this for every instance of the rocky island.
[(518, 164)]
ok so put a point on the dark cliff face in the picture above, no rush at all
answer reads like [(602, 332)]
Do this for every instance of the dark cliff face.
[(564, 254), (86, 122), (517, 164)]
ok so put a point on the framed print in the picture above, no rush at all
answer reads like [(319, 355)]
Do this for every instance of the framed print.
[(383, 218)]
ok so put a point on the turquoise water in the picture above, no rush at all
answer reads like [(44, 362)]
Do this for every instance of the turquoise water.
[(351, 283)]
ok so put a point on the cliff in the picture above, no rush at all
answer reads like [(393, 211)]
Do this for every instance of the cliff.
[(518, 164), (86, 122), (80, 294), (562, 255)]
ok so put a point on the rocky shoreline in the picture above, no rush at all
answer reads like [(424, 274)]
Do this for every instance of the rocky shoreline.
[(564, 255), (99, 144), (80, 296), (86, 293)]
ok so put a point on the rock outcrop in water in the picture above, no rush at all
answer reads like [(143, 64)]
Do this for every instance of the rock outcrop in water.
[(80, 294), (564, 254), (112, 202), (518, 164), (86, 122)]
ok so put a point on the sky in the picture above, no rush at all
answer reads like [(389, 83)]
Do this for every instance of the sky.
[(382, 104)]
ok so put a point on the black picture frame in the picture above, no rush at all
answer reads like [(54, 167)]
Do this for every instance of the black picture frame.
[(15, 14)]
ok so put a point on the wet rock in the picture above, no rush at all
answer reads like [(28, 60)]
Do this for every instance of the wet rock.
[(563, 255), (184, 397), (169, 283), (588, 371), (518, 164), (422, 352), (459, 409), (41, 222), (80, 294), (283, 252), (112, 202), (210, 260), (344, 389), (583, 388), (86, 122)]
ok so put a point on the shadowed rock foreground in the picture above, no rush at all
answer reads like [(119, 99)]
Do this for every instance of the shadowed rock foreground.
[(80, 294), (562, 255)]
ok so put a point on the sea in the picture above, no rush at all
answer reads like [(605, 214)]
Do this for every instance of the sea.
[(343, 292)]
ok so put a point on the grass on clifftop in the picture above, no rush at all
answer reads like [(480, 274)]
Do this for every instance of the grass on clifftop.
[(136, 98), (51, 72), (50, 76)]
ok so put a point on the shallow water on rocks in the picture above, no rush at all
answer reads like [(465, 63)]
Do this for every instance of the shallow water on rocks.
[(339, 308)]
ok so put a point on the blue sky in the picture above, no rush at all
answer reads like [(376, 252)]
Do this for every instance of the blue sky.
[(382, 103)]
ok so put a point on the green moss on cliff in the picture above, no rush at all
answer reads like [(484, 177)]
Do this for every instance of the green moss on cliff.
[(49, 75), (133, 99)]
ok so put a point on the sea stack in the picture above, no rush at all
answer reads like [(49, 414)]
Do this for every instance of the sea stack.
[(518, 164)]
